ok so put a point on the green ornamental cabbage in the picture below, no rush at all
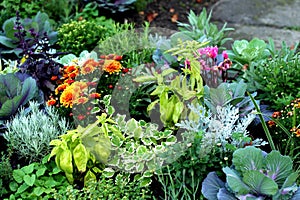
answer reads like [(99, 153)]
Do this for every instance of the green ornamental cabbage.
[(254, 175)]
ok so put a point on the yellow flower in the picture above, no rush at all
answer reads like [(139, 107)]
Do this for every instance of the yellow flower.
[(112, 66), (68, 95), (66, 98)]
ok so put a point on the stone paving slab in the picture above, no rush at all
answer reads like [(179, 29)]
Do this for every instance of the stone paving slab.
[(278, 19)]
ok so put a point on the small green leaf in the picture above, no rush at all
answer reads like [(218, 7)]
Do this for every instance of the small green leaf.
[(148, 174), (90, 176), (95, 110), (22, 188), (108, 172), (116, 140), (145, 182), (50, 182), (141, 79), (38, 191), (168, 71), (65, 161), (140, 167), (29, 180), (131, 125), (40, 171), (18, 175), (13, 186), (141, 150), (129, 166)]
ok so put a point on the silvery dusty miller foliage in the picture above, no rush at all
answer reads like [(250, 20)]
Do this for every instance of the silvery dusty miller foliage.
[(218, 128), (31, 131)]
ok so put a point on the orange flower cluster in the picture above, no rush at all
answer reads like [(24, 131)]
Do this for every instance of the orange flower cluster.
[(71, 93), (111, 63), (74, 92)]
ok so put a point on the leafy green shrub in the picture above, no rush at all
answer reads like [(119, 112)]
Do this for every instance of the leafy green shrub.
[(76, 36), (143, 149), (82, 153), (125, 39), (276, 79), (27, 9), (254, 175), (175, 89), (120, 187), (30, 132), (141, 5), (37, 180), (201, 29)]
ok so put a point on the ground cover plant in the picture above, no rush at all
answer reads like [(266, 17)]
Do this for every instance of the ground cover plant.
[(111, 111)]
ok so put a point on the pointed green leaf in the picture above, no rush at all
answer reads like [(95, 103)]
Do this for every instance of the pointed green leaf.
[(80, 156), (90, 176), (22, 188)]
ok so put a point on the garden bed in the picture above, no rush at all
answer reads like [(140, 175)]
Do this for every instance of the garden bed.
[(94, 107)]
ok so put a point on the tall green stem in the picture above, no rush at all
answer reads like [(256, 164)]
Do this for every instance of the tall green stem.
[(263, 123)]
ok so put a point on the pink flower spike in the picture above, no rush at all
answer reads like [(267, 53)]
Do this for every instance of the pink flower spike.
[(225, 55)]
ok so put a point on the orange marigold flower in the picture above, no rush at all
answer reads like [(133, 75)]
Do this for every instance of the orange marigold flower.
[(51, 102), (70, 69), (95, 95), (112, 66), (81, 100), (67, 96), (61, 88)]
